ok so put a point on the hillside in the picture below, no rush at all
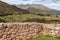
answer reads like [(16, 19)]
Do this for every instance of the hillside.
[(27, 13), (6, 9), (38, 9)]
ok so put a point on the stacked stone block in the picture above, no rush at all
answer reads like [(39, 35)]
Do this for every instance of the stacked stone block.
[(19, 31)]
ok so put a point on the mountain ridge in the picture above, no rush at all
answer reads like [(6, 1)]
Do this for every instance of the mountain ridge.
[(38, 9), (10, 9)]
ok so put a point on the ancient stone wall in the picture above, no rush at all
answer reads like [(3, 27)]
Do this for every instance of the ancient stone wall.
[(18, 31), (51, 30)]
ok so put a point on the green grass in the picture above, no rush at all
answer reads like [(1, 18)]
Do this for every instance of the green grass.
[(43, 38), (29, 18), (17, 18)]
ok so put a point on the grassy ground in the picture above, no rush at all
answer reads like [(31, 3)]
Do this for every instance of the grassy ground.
[(17, 18), (44, 38), (29, 18)]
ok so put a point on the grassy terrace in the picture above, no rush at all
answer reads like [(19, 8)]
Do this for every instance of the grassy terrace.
[(17, 18), (32, 18), (29, 18)]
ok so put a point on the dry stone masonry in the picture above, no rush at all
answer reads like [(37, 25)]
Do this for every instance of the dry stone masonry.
[(25, 30), (18, 31), (51, 30)]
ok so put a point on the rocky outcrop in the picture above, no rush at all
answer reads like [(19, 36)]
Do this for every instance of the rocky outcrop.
[(25, 30)]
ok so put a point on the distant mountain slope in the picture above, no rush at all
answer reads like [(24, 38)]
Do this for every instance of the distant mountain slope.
[(10, 9), (38, 9)]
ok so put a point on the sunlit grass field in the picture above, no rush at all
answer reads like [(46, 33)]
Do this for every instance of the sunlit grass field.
[(44, 38), (29, 18)]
